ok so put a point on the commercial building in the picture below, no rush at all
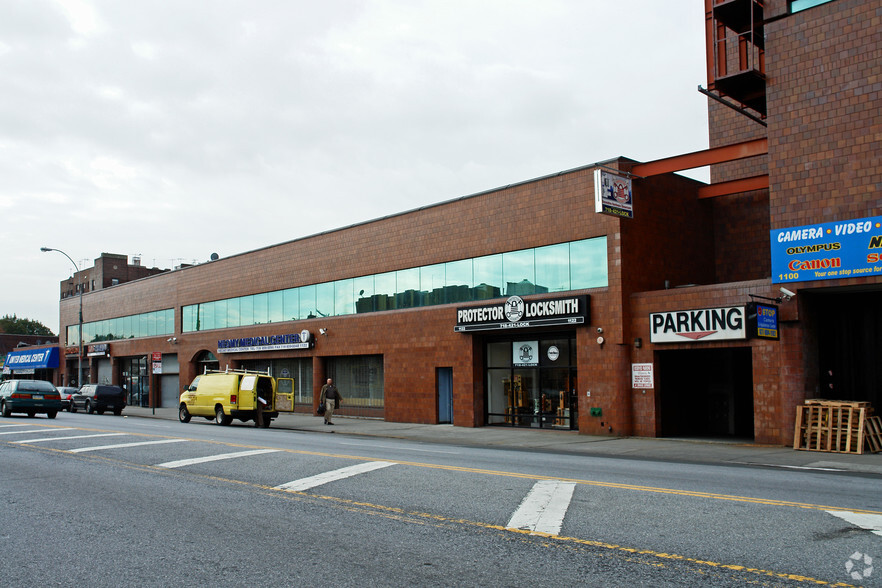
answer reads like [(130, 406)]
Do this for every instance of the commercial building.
[(616, 298)]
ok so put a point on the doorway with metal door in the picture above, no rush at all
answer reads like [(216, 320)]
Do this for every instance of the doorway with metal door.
[(444, 378)]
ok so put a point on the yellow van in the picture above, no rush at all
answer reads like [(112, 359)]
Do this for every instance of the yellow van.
[(224, 396)]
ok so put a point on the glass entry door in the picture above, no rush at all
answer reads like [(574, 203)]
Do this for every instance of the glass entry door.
[(537, 396)]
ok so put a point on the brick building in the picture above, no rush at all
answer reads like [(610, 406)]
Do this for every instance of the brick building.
[(111, 269), (524, 306)]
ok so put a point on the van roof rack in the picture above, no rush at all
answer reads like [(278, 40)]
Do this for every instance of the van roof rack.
[(227, 370)]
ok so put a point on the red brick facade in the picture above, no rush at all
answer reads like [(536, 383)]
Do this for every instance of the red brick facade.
[(823, 80)]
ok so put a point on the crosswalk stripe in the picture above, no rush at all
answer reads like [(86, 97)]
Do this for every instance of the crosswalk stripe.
[(37, 431), (121, 445), (66, 438), (185, 462), (318, 480), (870, 522), (544, 508)]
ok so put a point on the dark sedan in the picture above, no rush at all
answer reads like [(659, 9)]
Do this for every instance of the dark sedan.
[(29, 397), (98, 398)]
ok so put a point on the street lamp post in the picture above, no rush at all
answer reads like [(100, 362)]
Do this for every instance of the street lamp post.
[(80, 322)]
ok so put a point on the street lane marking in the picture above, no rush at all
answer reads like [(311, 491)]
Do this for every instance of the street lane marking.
[(870, 522), (544, 508), (324, 478), (71, 437), (186, 462), (121, 445), (594, 483), (403, 448), (37, 431), (18, 425)]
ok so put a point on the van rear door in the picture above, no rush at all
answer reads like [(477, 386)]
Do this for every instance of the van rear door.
[(285, 394)]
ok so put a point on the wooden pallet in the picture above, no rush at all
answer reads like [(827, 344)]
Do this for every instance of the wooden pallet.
[(874, 433), (838, 427)]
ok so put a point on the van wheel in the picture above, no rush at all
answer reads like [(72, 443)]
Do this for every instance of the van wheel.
[(51, 414), (6, 412), (89, 407), (184, 414), (220, 418)]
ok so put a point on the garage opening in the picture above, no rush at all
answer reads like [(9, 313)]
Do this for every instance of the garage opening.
[(706, 393), (849, 342)]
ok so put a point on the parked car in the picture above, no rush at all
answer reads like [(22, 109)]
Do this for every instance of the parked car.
[(66, 392), (98, 398), (29, 397)]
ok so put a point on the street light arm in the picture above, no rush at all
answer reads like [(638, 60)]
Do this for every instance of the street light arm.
[(47, 249), (80, 356)]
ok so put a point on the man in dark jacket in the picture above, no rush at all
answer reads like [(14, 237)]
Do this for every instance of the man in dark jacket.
[(331, 399)]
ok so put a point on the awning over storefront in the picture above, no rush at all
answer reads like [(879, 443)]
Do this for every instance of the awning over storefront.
[(32, 359)]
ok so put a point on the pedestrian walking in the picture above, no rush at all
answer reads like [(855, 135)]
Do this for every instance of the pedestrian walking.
[(330, 399)]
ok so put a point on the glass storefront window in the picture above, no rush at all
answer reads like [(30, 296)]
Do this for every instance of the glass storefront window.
[(458, 281), (261, 302), (364, 297), (576, 265), (385, 287), (307, 302), (588, 264), (553, 268), (518, 273), (275, 307), (407, 291), (360, 380), (246, 310), (542, 396), (344, 297), (291, 304), (488, 277), (324, 299)]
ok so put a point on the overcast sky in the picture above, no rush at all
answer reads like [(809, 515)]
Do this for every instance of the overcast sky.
[(172, 130)]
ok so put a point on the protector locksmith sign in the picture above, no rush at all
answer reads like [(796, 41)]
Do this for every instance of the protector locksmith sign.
[(518, 313)]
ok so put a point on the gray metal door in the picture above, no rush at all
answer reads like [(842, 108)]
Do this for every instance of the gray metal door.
[(445, 395)]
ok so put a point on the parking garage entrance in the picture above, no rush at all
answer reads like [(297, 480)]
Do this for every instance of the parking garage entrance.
[(706, 393)]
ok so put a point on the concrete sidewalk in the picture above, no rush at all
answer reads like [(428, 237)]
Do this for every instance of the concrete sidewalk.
[(570, 442)]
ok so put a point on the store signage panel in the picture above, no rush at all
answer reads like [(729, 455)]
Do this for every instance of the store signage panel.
[(827, 251), (517, 313), (268, 343), (612, 194), (706, 324), (99, 350), (31, 359), (762, 321), (525, 353)]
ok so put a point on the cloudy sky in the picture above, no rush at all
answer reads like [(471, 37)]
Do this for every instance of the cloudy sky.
[(172, 130)]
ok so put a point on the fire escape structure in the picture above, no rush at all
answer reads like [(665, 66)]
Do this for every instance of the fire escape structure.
[(736, 56)]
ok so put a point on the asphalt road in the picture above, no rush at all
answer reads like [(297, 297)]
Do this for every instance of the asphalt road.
[(108, 501)]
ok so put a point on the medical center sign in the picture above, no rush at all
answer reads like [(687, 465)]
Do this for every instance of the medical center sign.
[(517, 313), (706, 324)]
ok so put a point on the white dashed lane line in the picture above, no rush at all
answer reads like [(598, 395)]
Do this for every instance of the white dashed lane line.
[(30, 431), (186, 462), (42, 439), (544, 508), (122, 445), (320, 479)]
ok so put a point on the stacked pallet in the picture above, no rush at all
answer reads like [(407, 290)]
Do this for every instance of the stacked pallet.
[(837, 426)]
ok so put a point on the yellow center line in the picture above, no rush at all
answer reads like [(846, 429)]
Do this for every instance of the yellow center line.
[(416, 517), (507, 474)]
